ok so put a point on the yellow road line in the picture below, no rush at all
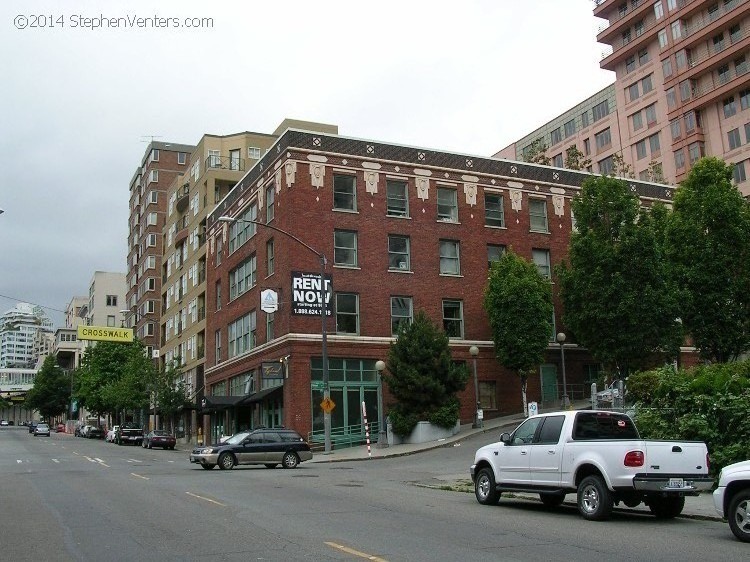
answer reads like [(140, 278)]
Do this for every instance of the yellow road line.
[(206, 499), (139, 476), (357, 553)]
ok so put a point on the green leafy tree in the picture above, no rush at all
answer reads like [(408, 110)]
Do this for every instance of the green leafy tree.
[(50, 394), (620, 168), (617, 292), (518, 301), (170, 391), (537, 153), (575, 159), (422, 377), (708, 244)]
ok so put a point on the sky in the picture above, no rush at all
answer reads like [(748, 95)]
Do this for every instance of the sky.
[(87, 85)]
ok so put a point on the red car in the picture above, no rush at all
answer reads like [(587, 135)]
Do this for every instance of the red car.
[(60, 428), (159, 438)]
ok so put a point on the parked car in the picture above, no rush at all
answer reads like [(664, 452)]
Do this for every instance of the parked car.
[(41, 429), (130, 432), (11, 422), (261, 446), (3, 422), (732, 498), (60, 428), (159, 438), (112, 434), (95, 432), (32, 426)]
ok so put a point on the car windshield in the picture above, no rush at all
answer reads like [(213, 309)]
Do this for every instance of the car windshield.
[(42, 426), (160, 433), (237, 438)]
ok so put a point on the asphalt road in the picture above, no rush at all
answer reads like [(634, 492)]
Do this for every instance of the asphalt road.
[(66, 498)]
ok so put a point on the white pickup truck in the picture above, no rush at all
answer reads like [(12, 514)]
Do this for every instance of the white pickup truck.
[(732, 498), (595, 454)]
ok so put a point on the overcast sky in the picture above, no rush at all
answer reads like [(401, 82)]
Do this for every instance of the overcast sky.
[(79, 105)]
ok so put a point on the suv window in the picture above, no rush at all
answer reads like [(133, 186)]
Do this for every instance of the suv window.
[(604, 425), (525, 432), (551, 430)]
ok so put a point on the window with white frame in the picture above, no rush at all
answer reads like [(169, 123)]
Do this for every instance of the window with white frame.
[(397, 199), (447, 204), (154, 156), (151, 240), (494, 212), (110, 320), (152, 219), (181, 157), (253, 152), (540, 257), (270, 266), (241, 335), (453, 318), (398, 252), (494, 253), (153, 196), (214, 159), (111, 300), (344, 192), (662, 35), (738, 172), (218, 295), (347, 313), (242, 278), (402, 313), (153, 176), (270, 203), (270, 323), (242, 230), (450, 262), (538, 215), (217, 344), (345, 247)]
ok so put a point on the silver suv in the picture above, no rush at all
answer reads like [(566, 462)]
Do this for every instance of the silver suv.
[(268, 446)]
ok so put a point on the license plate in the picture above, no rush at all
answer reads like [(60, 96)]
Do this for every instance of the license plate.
[(675, 483)]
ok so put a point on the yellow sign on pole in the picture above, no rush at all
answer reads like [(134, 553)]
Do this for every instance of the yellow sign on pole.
[(328, 405), (103, 333)]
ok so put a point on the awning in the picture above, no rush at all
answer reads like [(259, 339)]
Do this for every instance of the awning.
[(265, 393), (212, 403)]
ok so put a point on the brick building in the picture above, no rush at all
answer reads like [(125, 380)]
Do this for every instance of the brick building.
[(403, 229)]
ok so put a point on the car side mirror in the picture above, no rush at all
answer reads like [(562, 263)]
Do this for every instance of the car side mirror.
[(505, 438)]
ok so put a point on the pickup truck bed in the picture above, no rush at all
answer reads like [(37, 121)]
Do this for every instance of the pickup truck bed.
[(597, 455)]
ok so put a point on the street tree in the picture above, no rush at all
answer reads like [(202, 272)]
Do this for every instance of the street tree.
[(50, 394), (422, 377), (518, 301), (169, 394), (618, 297), (708, 244), (575, 159), (537, 153)]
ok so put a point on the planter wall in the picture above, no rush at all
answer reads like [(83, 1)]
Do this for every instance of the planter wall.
[(423, 432)]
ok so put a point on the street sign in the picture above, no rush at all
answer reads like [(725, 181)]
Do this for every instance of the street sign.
[(533, 408), (269, 301), (328, 405)]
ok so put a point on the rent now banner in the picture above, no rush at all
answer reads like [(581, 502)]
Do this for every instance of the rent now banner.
[(103, 333), (306, 293)]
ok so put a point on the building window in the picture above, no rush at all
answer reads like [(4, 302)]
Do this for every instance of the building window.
[(450, 257), (696, 151), (745, 98), (110, 320), (151, 220), (676, 30), (603, 139), (679, 159), (494, 253), (541, 260), (242, 278), (647, 84), (666, 68), (633, 93), (402, 313), (718, 42), (151, 240), (690, 121), (640, 149), (153, 197), (241, 334), (270, 322), (606, 166), (488, 395), (735, 33), (643, 57), (626, 37), (217, 345), (219, 250), (494, 214), (111, 300), (453, 319), (181, 157), (218, 295), (637, 120), (269, 257), (570, 128), (738, 173), (347, 313), (658, 10), (555, 136), (747, 132), (671, 98), (586, 147), (557, 160), (671, 4), (270, 203), (650, 112), (398, 252), (242, 230), (345, 248), (662, 38), (344, 192), (538, 215), (740, 65), (723, 72), (734, 139), (654, 145), (676, 128), (730, 108), (253, 152), (397, 200), (601, 110), (584, 119), (154, 157), (447, 205)]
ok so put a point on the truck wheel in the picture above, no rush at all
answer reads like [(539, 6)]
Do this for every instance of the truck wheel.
[(594, 499), (739, 515), (666, 508), (552, 500), (484, 487), (226, 461)]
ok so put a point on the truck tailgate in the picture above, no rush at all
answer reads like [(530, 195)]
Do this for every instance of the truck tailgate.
[(676, 458)]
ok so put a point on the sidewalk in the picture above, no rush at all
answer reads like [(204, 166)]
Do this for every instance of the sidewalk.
[(696, 507)]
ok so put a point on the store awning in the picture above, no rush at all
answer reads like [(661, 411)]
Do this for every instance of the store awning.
[(209, 403), (265, 393)]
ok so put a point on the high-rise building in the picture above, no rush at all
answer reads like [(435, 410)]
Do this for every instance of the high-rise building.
[(681, 91), (19, 343)]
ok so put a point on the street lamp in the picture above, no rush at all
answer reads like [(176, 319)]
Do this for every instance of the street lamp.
[(561, 340), (474, 351), (323, 332), (382, 435)]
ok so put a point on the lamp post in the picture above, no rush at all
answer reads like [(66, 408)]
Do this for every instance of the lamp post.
[(323, 332), (382, 435), (474, 351), (561, 340)]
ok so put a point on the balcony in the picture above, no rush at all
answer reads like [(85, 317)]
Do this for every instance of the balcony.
[(183, 198), (225, 163)]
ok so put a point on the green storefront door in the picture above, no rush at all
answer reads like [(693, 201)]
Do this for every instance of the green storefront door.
[(549, 384)]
